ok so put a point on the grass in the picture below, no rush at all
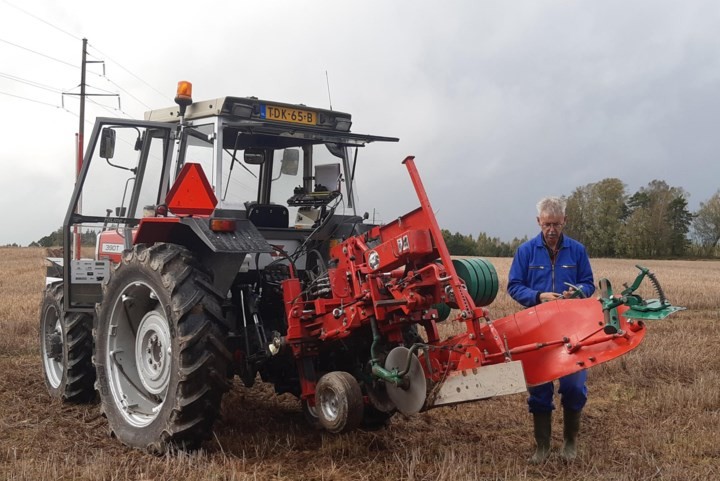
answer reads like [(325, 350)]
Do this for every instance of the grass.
[(652, 415)]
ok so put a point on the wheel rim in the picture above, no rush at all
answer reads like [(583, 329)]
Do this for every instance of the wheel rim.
[(328, 403), (52, 337), (153, 352), (139, 354)]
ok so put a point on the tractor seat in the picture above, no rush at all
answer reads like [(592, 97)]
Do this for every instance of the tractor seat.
[(268, 215)]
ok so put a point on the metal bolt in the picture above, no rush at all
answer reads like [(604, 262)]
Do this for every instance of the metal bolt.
[(472, 337)]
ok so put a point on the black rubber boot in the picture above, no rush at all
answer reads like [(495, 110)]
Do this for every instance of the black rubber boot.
[(571, 427), (542, 425)]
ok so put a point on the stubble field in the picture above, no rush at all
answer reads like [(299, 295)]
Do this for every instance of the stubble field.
[(652, 415)]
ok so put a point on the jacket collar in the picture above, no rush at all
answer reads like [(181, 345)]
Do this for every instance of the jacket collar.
[(538, 241)]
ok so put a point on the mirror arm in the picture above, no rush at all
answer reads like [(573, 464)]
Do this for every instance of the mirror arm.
[(130, 169)]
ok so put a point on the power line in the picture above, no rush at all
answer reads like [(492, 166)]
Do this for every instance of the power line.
[(75, 66), (31, 83), (131, 95), (164, 95), (112, 110), (38, 53), (31, 100), (41, 20)]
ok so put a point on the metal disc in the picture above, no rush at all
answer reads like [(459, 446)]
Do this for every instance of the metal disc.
[(408, 400)]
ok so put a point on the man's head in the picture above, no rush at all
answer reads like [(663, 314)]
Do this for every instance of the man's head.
[(551, 218)]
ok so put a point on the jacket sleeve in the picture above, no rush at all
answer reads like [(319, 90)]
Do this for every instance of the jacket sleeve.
[(518, 281), (585, 276)]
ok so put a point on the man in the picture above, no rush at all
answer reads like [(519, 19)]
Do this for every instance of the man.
[(540, 272)]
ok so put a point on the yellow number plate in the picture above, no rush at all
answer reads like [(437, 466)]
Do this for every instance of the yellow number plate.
[(286, 114)]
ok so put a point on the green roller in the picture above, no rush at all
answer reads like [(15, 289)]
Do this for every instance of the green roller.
[(491, 282), (467, 273), (480, 278)]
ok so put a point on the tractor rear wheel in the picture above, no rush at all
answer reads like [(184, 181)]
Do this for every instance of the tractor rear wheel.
[(66, 349), (160, 358), (339, 402)]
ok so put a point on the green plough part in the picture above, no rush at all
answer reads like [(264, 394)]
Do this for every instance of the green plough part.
[(651, 309)]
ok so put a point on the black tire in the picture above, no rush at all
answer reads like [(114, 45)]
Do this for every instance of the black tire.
[(339, 402), (161, 360), (66, 348)]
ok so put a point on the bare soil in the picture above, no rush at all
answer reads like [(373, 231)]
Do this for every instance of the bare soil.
[(653, 414)]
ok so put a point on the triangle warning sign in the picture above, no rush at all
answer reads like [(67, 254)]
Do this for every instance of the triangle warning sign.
[(191, 194)]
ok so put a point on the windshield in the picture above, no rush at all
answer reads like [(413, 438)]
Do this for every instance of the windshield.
[(306, 178)]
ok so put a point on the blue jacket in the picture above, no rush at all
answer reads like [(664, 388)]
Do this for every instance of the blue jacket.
[(532, 272)]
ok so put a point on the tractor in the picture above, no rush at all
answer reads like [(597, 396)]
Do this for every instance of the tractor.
[(229, 245)]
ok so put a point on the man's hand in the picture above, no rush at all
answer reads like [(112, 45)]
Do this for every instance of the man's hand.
[(569, 293), (549, 296)]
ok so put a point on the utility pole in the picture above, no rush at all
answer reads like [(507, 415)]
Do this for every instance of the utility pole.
[(80, 143), (80, 136)]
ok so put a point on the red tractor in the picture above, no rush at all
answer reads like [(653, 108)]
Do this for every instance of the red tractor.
[(229, 245)]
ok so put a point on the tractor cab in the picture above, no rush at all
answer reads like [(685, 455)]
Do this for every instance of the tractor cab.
[(271, 176)]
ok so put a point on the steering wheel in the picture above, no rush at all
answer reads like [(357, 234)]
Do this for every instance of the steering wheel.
[(577, 293)]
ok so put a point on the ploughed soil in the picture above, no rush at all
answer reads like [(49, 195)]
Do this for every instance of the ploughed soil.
[(653, 414)]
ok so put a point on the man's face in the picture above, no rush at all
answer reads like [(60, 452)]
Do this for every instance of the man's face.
[(551, 226)]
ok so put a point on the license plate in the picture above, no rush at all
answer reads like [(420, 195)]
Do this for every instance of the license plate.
[(286, 114)]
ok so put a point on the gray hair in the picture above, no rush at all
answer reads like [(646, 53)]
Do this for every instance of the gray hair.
[(552, 206)]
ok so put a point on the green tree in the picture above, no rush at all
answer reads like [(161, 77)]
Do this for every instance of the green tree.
[(706, 225), (657, 223), (595, 215), (55, 239), (679, 220), (459, 244)]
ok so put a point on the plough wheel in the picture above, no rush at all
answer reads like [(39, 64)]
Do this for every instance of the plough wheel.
[(339, 402)]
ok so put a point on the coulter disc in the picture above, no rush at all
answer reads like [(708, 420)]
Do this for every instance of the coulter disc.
[(408, 399)]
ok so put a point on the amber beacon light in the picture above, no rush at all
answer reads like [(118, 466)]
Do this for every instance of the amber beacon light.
[(183, 97)]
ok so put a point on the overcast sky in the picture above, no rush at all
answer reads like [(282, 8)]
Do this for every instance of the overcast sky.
[(501, 102)]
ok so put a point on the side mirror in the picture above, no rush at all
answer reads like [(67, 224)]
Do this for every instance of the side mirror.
[(290, 162), (254, 156), (107, 143), (336, 149)]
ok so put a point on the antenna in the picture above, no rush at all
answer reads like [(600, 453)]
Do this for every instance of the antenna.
[(327, 81)]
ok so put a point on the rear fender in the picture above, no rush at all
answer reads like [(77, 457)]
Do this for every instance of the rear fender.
[(220, 252)]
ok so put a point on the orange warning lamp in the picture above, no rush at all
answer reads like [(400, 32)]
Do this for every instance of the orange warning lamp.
[(183, 97)]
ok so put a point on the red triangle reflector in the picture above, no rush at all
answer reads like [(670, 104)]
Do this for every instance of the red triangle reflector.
[(191, 194)]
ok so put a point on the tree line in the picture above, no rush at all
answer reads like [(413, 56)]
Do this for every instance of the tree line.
[(653, 222), (55, 239)]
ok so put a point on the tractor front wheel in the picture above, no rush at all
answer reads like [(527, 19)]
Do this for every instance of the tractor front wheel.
[(66, 349), (161, 360), (339, 402)]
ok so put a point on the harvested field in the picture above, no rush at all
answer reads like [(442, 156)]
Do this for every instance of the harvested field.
[(653, 414)]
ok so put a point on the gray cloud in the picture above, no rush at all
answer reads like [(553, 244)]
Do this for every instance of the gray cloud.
[(501, 102)]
